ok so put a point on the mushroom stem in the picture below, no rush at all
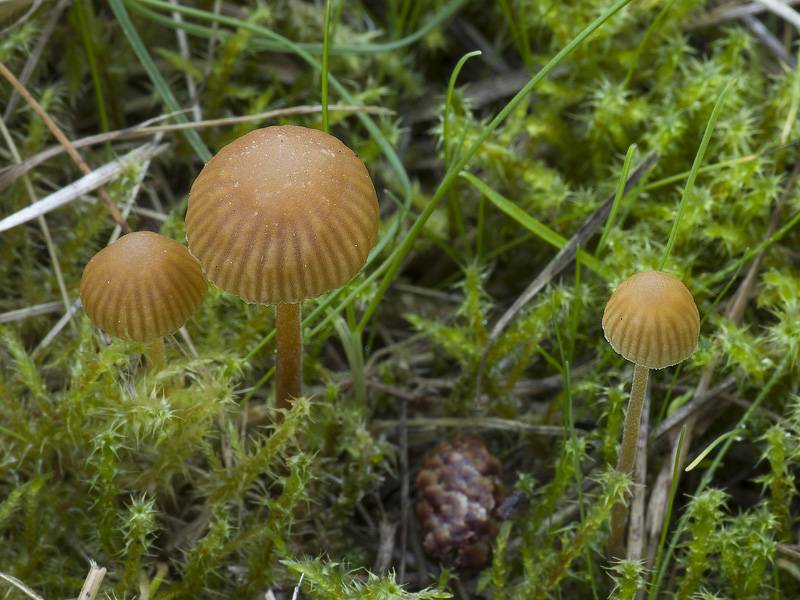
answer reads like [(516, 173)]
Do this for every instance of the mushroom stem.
[(288, 355), (630, 434), (627, 456), (156, 355)]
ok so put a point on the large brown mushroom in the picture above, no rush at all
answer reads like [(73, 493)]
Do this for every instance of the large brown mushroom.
[(142, 287), (279, 215), (651, 320)]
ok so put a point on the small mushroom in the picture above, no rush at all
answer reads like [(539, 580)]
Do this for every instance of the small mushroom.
[(651, 320), (142, 287), (279, 215)]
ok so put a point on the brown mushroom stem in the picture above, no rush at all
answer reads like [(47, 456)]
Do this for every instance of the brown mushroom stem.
[(156, 355), (288, 355), (630, 433), (627, 456)]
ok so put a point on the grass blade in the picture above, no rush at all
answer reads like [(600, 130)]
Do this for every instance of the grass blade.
[(698, 159), (162, 87)]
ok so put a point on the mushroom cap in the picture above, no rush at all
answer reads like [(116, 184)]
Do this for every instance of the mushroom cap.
[(142, 287), (282, 214), (652, 320)]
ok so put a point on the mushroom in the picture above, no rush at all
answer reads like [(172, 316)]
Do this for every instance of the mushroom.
[(651, 320), (142, 287), (279, 215)]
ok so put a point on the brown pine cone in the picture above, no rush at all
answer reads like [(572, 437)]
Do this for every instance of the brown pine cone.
[(459, 489)]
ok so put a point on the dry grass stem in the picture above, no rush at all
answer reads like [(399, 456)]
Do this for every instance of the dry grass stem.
[(86, 184), (9, 174)]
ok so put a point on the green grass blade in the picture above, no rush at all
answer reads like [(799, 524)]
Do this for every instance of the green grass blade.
[(269, 43), (161, 85), (529, 222), (326, 46), (448, 104), (648, 34), (698, 159), (713, 167), (617, 199), (88, 44)]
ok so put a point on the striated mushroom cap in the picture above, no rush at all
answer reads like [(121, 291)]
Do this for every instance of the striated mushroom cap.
[(282, 214), (652, 320), (142, 287)]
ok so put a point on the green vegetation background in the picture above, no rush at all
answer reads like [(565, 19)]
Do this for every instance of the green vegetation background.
[(180, 485)]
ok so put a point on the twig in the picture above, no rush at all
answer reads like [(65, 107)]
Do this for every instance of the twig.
[(699, 401), (383, 557), (51, 335), (792, 550), (92, 583), (21, 586), (30, 311), (730, 11), (478, 423), (212, 42), (770, 41), (183, 45), (22, 20), (782, 10), (297, 587)]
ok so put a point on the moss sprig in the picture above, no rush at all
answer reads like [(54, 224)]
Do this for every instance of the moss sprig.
[(629, 578), (705, 513)]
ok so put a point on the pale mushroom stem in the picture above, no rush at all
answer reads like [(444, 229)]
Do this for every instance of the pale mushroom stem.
[(288, 356), (627, 456), (156, 355)]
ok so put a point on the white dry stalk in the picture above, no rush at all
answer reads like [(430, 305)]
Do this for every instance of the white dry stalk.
[(150, 214), (21, 586), (92, 583), (731, 11), (297, 587), (782, 10), (62, 322), (30, 311), (82, 186), (475, 423), (773, 44)]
